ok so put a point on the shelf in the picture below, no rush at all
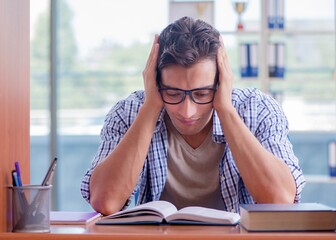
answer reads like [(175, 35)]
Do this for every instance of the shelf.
[(320, 179), (286, 79), (248, 79), (291, 32), (299, 69), (299, 32), (242, 33)]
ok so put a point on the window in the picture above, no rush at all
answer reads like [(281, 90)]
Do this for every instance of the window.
[(102, 47)]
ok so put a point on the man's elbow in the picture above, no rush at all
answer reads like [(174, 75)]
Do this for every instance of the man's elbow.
[(286, 196), (279, 197), (104, 204)]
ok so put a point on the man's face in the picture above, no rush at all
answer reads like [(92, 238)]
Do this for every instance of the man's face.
[(189, 118)]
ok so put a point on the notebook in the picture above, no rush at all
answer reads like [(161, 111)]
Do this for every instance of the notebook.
[(61, 217)]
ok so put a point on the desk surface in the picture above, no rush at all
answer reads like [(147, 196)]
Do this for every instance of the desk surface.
[(185, 232)]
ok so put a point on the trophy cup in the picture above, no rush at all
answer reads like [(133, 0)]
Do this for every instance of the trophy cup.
[(240, 6)]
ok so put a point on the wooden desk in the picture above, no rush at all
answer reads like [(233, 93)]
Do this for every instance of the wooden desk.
[(136, 232)]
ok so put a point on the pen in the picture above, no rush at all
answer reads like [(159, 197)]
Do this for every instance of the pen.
[(18, 172), (49, 175), (18, 181), (15, 178), (23, 202)]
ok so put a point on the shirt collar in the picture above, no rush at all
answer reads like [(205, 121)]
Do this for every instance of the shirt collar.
[(160, 124), (217, 134)]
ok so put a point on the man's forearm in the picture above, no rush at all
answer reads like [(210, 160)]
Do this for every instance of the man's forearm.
[(266, 177), (114, 179)]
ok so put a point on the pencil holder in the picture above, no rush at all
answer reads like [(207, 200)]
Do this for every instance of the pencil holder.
[(30, 208)]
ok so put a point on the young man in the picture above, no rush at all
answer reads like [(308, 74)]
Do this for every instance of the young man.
[(189, 138)]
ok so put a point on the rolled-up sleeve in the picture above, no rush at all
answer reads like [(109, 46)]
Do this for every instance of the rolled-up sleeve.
[(272, 131), (112, 132)]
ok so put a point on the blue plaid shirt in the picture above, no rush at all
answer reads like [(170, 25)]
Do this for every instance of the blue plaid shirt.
[(260, 113)]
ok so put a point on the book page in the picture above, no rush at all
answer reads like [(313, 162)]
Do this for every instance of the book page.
[(206, 215), (161, 208)]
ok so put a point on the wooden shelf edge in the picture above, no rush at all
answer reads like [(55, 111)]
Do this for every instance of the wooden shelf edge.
[(311, 178)]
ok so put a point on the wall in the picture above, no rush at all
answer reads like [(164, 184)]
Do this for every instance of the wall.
[(14, 96)]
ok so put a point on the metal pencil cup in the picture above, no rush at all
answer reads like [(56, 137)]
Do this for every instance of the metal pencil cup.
[(30, 208)]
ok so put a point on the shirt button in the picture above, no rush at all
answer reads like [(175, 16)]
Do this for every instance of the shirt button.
[(233, 210), (222, 178)]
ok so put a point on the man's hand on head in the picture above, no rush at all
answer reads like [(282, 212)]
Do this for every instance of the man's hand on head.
[(152, 95), (223, 97)]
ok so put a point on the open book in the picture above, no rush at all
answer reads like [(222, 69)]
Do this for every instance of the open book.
[(166, 212)]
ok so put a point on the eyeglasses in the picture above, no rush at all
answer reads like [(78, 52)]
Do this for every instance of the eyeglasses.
[(197, 95)]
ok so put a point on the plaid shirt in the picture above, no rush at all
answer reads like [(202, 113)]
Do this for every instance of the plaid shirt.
[(260, 113)]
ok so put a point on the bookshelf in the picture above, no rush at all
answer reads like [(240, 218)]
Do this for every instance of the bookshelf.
[(310, 86), (261, 34)]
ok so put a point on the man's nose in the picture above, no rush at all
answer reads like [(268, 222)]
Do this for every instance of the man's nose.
[(188, 107)]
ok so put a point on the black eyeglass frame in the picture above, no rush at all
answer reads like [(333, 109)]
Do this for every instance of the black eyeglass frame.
[(188, 92)]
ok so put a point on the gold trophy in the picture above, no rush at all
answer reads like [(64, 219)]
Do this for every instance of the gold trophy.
[(240, 6)]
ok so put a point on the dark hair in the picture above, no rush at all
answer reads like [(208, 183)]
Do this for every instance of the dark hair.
[(186, 42)]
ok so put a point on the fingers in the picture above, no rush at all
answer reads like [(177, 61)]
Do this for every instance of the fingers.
[(223, 64), (152, 59), (152, 96), (220, 58), (223, 97)]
